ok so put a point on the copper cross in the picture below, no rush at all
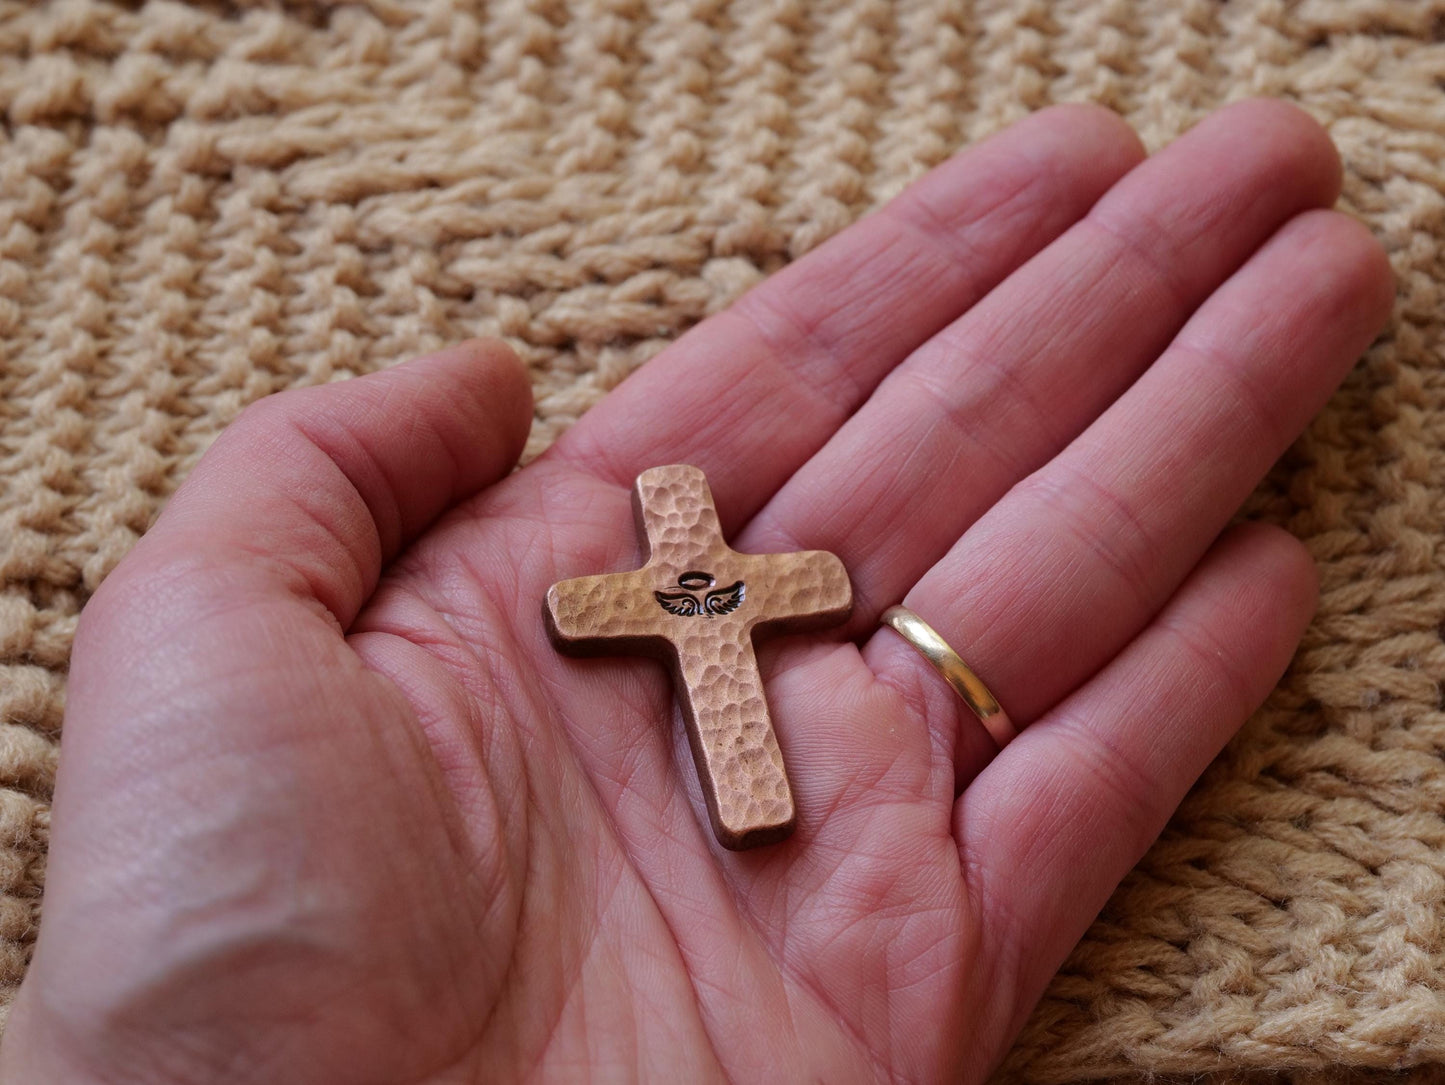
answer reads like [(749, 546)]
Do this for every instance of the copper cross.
[(696, 603)]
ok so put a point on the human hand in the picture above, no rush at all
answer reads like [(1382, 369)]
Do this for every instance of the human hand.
[(332, 809)]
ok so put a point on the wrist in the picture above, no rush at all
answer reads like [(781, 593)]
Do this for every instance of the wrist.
[(31, 1049), (44, 1042)]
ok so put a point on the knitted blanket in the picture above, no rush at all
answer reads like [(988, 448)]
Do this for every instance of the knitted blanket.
[(203, 203)]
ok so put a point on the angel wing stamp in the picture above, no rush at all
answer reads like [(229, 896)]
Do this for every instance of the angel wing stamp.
[(723, 600), (688, 598), (682, 603)]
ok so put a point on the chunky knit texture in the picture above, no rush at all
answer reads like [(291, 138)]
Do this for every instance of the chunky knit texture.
[(203, 203)]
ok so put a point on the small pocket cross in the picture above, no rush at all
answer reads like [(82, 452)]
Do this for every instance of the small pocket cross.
[(696, 603)]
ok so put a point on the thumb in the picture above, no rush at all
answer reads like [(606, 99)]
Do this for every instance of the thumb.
[(331, 482), (222, 743), (268, 551)]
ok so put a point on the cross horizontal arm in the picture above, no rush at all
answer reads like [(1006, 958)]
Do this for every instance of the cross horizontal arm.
[(611, 611), (800, 591)]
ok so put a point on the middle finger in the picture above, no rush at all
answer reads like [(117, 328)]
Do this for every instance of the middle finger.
[(1004, 388)]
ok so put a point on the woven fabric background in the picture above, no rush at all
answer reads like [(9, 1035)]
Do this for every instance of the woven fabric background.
[(203, 203)]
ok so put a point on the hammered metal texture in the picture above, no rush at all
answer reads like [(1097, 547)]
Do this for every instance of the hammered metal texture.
[(697, 603)]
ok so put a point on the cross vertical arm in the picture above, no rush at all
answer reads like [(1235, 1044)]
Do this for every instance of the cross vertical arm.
[(676, 516), (739, 764)]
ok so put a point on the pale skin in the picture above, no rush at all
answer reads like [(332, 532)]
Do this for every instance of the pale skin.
[(332, 809)]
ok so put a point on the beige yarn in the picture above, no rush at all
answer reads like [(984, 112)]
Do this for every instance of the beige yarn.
[(203, 203)]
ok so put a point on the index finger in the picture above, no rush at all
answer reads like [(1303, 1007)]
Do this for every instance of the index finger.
[(753, 392)]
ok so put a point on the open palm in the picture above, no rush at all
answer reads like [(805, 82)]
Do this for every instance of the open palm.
[(332, 809)]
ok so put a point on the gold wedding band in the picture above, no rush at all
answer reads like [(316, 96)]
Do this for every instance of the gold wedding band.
[(926, 641)]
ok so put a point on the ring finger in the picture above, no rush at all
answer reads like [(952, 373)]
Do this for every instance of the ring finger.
[(1047, 586)]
